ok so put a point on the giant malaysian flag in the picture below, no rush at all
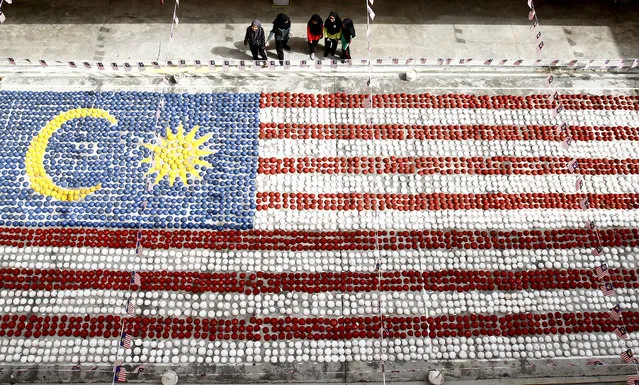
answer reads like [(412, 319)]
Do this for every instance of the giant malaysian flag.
[(281, 227)]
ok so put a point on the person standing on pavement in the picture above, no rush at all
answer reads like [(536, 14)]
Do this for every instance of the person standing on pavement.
[(348, 34), (332, 33), (282, 32), (314, 33), (254, 38)]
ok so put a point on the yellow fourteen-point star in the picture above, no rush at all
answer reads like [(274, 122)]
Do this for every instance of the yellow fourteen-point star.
[(177, 155)]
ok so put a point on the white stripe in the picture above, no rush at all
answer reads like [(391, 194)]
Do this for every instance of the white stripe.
[(360, 349), (150, 351), (317, 261), (442, 116), (328, 220), (280, 148), (299, 304), (71, 258), (61, 350), (70, 302), (450, 184)]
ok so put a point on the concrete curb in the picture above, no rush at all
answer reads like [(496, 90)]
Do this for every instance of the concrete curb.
[(542, 371)]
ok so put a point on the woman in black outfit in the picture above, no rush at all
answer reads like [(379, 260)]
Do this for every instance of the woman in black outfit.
[(332, 33), (281, 31), (348, 33), (254, 38)]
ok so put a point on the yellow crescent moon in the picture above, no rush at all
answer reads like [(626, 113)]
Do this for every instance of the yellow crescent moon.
[(34, 160)]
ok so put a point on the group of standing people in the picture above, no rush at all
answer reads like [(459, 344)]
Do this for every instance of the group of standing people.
[(333, 30)]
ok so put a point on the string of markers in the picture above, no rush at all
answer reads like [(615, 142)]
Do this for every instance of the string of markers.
[(226, 65), (602, 270), (368, 105), (175, 22), (126, 339), (119, 371)]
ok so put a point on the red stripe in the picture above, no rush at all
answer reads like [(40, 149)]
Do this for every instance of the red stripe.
[(499, 165), (343, 100), (438, 201), (271, 130), (318, 240), (321, 328), (264, 282)]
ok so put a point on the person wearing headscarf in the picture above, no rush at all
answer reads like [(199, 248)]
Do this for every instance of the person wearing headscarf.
[(282, 32), (332, 33), (254, 38), (314, 33), (348, 33)]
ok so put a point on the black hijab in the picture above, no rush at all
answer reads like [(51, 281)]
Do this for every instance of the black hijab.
[(282, 21), (348, 28), (333, 27), (316, 29)]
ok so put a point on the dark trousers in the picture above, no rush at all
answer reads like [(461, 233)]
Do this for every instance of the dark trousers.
[(330, 46), (311, 46), (279, 48), (258, 51), (346, 53)]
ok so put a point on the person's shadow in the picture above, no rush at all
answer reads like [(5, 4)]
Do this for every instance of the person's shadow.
[(240, 52), (299, 45)]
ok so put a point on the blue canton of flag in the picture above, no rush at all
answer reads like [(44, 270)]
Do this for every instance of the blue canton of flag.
[(130, 308), (615, 312), (602, 271), (628, 357), (607, 289), (125, 341), (82, 159), (120, 374), (135, 278), (621, 332)]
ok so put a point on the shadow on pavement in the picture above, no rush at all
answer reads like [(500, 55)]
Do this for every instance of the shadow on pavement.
[(298, 45), (240, 52)]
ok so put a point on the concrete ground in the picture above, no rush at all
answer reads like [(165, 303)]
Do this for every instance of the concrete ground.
[(512, 81), (113, 30), (485, 372), (507, 381)]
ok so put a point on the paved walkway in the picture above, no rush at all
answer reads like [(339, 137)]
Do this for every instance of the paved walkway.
[(214, 29)]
